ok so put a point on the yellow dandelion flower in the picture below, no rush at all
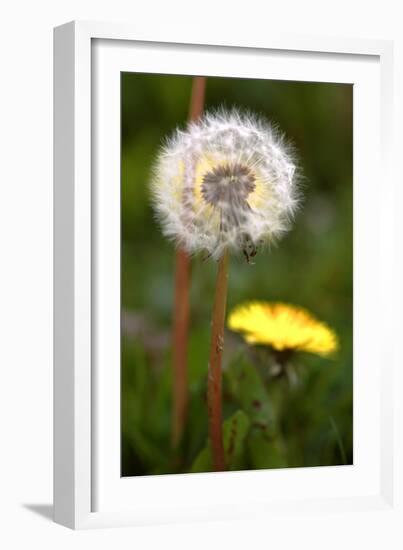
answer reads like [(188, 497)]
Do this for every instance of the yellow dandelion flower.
[(284, 327)]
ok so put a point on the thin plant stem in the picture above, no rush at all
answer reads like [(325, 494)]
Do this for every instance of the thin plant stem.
[(181, 303), (180, 338), (214, 397), (198, 96)]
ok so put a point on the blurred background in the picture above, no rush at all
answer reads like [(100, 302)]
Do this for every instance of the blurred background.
[(312, 266)]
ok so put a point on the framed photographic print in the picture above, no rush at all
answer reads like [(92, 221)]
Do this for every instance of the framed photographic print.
[(222, 276)]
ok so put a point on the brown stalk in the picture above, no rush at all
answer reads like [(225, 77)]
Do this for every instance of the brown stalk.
[(215, 370), (181, 302)]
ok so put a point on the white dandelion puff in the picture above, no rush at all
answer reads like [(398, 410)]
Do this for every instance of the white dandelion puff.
[(226, 182)]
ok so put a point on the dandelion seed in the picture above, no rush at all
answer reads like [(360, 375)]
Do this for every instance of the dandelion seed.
[(228, 182)]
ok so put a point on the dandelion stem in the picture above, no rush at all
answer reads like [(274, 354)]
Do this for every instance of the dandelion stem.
[(181, 303), (214, 371), (197, 99), (181, 329)]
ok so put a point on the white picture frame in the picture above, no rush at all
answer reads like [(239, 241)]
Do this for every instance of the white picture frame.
[(88, 490)]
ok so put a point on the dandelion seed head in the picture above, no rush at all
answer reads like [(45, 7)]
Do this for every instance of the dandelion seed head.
[(228, 180)]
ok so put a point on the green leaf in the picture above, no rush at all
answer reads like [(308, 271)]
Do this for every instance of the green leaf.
[(265, 451), (235, 430), (248, 390), (203, 462)]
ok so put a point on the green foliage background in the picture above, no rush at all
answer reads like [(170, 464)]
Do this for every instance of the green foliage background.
[(271, 424)]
